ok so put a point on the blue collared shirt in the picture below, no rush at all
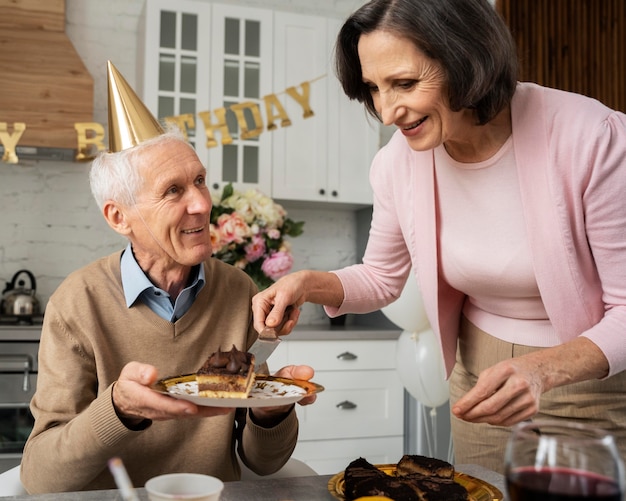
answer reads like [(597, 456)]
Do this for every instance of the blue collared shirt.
[(137, 286)]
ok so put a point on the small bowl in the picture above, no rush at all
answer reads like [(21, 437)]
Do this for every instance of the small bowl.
[(184, 486)]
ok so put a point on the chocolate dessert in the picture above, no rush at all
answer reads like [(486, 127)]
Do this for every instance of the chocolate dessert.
[(418, 478), (429, 467), (226, 374)]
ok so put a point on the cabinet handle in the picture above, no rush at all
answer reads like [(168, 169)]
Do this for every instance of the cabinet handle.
[(334, 193), (322, 191), (216, 186), (346, 405), (346, 355)]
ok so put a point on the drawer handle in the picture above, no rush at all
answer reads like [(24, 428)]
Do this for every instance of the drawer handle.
[(346, 405), (346, 355)]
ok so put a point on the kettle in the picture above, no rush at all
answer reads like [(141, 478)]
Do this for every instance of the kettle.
[(18, 301)]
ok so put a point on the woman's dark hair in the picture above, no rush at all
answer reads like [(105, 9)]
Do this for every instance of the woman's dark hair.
[(467, 37)]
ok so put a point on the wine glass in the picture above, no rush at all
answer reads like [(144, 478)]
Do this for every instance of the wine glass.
[(558, 461)]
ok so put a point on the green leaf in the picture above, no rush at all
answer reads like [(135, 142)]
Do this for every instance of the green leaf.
[(227, 192), (292, 228)]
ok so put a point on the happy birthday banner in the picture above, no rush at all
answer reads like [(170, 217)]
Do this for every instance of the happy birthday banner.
[(90, 135)]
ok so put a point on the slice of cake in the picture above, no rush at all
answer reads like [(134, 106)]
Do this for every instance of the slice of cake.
[(428, 467), (388, 487), (226, 374), (357, 471), (436, 489)]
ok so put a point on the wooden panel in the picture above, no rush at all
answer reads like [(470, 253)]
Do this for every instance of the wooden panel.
[(574, 45), (48, 15), (44, 84)]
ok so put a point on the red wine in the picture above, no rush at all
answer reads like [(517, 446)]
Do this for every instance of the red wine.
[(560, 484)]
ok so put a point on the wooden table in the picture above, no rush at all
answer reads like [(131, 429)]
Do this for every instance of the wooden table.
[(313, 488)]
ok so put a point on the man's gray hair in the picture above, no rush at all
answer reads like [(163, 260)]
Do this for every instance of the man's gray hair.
[(115, 176)]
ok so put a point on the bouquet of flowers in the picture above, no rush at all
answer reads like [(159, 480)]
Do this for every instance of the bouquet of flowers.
[(248, 231)]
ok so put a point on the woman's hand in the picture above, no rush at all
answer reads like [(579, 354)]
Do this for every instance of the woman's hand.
[(269, 306), (319, 287), (509, 391), (504, 394)]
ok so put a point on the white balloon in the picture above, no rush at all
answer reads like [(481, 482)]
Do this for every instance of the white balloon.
[(408, 312), (420, 367)]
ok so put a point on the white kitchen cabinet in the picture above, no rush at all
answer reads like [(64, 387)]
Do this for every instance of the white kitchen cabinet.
[(353, 137), (326, 157), (212, 66), (361, 410), (175, 68), (228, 62), (241, 74)]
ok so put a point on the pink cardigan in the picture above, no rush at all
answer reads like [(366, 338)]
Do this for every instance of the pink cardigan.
[(571, 158)]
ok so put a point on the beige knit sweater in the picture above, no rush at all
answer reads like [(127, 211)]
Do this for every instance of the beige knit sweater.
[(88, 336)]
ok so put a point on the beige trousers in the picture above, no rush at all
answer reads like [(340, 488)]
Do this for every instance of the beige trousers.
[(597, 403)]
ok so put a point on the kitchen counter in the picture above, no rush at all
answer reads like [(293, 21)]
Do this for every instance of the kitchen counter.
[(326, 332), (322, 332), (313, 488)]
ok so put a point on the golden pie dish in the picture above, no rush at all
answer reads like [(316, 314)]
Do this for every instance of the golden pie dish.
[(478, 490)]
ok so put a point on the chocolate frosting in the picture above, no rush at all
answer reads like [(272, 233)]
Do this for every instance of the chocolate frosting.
[(231, 362)]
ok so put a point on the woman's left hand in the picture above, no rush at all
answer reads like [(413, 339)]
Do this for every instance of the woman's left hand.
[(504, 394), (509, 391)]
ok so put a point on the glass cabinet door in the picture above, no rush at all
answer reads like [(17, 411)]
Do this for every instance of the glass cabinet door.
[(178, 65), (176, 53), (241, 74)]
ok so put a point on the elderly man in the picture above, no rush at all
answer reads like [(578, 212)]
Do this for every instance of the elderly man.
[(158, 308)]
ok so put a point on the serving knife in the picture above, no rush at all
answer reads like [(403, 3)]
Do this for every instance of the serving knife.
[(268, 341)]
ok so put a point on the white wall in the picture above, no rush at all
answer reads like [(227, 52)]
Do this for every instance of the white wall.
[(48, 221)]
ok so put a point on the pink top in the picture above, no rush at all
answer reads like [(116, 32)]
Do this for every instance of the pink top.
[(485, 252), (570, 153)]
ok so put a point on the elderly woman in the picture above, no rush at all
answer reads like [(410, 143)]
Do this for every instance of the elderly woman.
[(507, 201)]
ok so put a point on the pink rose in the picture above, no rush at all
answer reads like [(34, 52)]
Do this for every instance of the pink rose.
[(233, 228), (277, 265), (255, 249), (216, 238), (274, 234)]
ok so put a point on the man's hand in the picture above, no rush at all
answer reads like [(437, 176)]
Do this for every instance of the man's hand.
[(271, 416), (134, 401)]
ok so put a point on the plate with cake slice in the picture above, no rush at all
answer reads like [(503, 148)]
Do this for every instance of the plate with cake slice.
[(414, 477), (227, 379), (266, 391)]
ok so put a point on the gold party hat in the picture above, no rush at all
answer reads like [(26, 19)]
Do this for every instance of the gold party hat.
[(130, 121)]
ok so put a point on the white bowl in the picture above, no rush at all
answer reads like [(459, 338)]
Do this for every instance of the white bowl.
[(184, 486)]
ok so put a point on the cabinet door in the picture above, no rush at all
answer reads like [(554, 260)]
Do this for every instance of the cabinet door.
[(300, 153), (353, 138), (354, 404), (241, 72), (174, 54), (326, 157), (343, 355)]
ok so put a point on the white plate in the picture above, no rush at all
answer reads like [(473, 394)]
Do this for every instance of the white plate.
[(268, 391)]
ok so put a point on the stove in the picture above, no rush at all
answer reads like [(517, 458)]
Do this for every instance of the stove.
[(14, 329), (19, 345), (15, 320)]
